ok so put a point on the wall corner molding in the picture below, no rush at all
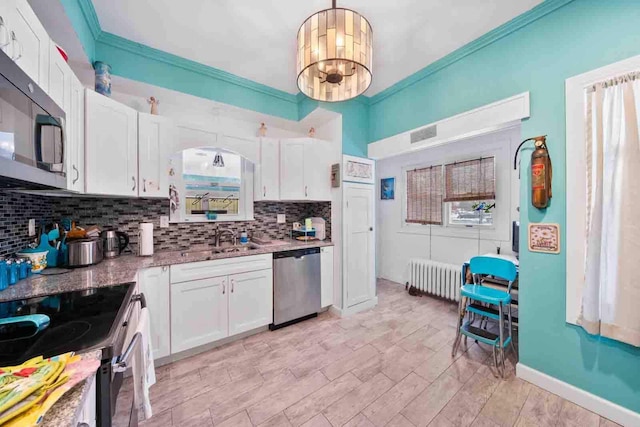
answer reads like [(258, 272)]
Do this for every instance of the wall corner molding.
[(520, 21), (600, 406), (91, 18)]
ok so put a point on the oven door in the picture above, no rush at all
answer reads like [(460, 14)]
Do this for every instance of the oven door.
[(32, 137), (116, 405)]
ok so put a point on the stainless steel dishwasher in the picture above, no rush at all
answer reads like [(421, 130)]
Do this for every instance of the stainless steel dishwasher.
[(296, 286)]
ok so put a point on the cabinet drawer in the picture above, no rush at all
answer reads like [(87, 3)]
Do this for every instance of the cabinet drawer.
[(220, 267)]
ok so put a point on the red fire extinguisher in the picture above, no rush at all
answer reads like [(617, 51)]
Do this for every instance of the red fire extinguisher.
[(541, 172)]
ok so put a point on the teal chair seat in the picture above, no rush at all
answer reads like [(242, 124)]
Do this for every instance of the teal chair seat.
[(485, 294)]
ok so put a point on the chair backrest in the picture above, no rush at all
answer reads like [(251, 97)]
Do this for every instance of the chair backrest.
[(493, 266)]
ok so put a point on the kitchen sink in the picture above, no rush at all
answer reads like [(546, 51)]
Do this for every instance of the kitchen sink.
[(236, 248)]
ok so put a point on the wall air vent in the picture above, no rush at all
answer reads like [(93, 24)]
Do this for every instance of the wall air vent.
[(424, 134)]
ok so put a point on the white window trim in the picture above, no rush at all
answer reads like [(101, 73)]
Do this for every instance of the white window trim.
[(576, 176), (503, 198)]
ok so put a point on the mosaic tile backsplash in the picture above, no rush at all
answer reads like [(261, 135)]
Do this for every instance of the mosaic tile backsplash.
[(126, 214)]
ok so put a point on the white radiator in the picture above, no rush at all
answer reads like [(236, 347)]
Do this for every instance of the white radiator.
[(436, 278)]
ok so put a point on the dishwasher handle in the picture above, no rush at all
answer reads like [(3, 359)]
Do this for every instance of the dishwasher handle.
[(298, 253)]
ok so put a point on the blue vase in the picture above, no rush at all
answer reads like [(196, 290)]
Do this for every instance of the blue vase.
[(103, 78)]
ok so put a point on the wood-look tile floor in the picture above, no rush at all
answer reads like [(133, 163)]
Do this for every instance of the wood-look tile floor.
[(390, 365)]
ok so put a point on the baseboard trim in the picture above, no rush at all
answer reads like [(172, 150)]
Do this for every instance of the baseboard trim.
[(356, 308), (600, 406)]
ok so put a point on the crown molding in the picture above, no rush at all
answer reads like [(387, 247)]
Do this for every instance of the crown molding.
[(544, 8), (118, 42), (91, 18)]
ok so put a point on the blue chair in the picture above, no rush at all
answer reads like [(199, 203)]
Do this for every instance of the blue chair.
[(479, 301)]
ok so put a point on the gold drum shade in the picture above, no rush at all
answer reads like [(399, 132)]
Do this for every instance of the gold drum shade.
[(334, 55)]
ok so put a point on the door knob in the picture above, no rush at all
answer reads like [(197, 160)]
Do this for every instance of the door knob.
[(370, 228)]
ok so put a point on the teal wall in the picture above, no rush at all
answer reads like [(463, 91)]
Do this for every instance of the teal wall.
[(576, 38)]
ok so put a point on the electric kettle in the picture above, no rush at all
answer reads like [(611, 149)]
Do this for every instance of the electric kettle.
[(114, 243)]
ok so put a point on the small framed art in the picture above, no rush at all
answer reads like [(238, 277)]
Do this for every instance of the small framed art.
[(387, 189)]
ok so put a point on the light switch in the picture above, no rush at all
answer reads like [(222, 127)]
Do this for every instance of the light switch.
[(282, 218), (32, 227), (164, 221)]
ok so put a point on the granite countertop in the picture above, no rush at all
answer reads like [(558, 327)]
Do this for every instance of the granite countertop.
[(124, 269), (65, 412)]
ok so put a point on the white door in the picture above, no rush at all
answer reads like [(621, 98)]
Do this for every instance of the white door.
[(326, 276), (111, 146), (154, 283), (199, 312), (267, 177), (359, 249), (155, 139), (292, 162), (317, 170), (250, 300), (29, 42), (75, 137)]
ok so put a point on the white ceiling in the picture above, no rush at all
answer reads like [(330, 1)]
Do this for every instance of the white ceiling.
[(256, 39)]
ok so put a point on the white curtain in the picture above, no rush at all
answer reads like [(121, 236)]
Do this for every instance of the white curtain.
[(612, 266)]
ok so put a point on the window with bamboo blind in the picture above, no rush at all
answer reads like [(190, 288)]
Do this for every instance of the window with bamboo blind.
[(424, 195), (470, 180)]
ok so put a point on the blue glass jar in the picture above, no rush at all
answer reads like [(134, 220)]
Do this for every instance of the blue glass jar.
[(12, 268), (103, 78), (4, 278)]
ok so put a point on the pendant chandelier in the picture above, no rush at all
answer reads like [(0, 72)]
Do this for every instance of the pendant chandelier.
[(334, 55)]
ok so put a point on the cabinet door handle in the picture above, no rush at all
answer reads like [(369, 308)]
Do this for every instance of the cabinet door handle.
[(15, 41), (134, 183), (232, 283), (77, 174), (264, 191), (165, 268), (7, 39), (305, 191), (223, 288), (144, 185)]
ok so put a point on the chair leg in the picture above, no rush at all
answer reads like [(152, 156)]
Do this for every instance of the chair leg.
[(513, 347), (501, 331), (495, 359), (461, 314)]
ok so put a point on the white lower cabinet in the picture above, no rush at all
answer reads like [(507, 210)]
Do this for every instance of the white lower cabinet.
[(211, 300), (154, 283), (250, 301), (326, 276), (198, 312)]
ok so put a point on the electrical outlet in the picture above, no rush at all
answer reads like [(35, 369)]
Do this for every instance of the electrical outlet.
[(164, 221), (282, 218), (32, 227)]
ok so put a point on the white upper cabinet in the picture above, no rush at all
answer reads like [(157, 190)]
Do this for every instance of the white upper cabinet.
[(155, 141), (267, 174), (75, 137), (28, 43), (111, 146), (292, 185), (305, 170), (59, 79), (317, 170)]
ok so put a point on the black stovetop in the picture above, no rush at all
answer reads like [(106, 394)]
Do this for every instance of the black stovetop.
[(78, 321)]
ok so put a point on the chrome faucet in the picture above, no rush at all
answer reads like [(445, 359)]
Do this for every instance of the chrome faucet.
[(219, 232)]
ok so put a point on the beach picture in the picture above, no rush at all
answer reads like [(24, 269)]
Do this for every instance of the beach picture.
[(387, 188)]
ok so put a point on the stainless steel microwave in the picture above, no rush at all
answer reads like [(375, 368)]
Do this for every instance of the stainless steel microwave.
[(32, 135)]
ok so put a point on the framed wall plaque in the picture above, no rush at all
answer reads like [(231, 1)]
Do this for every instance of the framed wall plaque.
[(544, 238)]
